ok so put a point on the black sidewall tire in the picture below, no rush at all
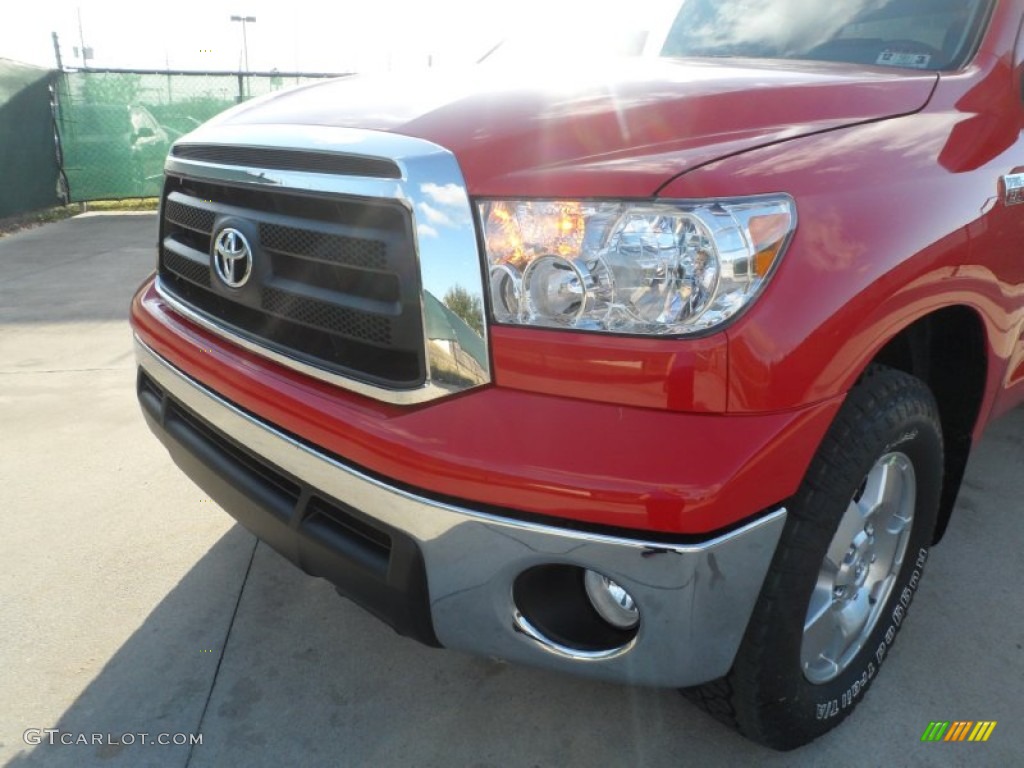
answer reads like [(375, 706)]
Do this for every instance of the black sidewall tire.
[(774, 702)]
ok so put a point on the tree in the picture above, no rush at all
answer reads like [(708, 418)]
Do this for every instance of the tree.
[(466, 306)]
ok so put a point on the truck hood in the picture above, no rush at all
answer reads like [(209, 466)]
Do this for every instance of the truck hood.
[(610, 129)]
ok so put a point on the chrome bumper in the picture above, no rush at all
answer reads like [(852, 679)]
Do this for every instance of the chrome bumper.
[(694, 600)]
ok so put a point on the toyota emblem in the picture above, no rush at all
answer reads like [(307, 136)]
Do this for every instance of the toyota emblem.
[(232, 257)]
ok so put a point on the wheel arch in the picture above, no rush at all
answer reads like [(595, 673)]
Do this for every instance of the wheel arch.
[(947, 350)]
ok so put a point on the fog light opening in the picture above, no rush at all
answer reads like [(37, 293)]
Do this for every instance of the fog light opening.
[(611, 601), (570, 614)]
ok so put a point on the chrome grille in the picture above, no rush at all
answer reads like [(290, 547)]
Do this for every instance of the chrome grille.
[(364, 249), (335, 282)]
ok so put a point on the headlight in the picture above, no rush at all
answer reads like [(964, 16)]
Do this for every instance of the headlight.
[(658, 268)]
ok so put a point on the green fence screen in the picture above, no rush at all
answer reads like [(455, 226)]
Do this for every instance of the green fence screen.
[(116, 126), (29, 172)]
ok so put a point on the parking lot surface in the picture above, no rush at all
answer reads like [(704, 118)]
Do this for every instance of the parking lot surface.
[(130, 604)]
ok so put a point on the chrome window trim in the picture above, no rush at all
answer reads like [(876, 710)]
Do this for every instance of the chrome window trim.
[(431, 188)]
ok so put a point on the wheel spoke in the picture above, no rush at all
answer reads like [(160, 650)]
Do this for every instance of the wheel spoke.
[(881, 588), (883, 491), (901, 518), (851, 524), (852, 617), (821, 632), (885, 550), (823, 595)]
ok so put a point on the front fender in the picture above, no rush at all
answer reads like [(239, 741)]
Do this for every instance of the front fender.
[(888, 233)]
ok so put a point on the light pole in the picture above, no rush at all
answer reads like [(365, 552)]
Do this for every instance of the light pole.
[(245, 39), (245, 53), (86, 51)]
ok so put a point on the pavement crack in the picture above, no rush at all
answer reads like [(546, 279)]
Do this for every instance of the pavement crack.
[(223, 650)]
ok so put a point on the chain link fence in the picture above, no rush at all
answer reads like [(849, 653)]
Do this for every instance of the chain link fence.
[(116, 126)]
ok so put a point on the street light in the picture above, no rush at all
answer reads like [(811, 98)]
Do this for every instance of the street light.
[(245, 39)]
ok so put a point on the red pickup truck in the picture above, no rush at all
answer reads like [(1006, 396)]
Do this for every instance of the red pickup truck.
[(663, 370)]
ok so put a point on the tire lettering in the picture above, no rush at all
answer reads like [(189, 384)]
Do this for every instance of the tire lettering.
[(850, 696), (922, 557), (905, 438), (828, 710), (906, 597)]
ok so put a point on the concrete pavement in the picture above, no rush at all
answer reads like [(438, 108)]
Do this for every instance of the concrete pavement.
[(129, 604)]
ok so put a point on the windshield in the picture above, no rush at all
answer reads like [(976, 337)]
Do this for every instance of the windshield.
[(916, 34)]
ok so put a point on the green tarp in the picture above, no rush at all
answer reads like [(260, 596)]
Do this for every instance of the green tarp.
[(116, 126), (28, 154), (112, 130)]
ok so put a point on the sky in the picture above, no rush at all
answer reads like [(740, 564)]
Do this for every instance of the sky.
[(288, 35)]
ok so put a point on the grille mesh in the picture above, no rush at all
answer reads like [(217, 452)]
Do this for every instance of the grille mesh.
[(190, 270), (320, 314), (190, 217), (350, 251)]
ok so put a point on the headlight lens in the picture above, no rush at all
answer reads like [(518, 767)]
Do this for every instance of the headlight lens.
[(665, 268)]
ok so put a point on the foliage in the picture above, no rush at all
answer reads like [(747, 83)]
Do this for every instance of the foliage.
[(465, 306)]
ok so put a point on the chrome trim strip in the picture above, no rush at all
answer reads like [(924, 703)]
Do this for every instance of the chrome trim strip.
[(695, 600), (432, 188), (522, 624), (397, 397)]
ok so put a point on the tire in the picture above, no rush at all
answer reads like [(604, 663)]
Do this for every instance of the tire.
[(828, 613)]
